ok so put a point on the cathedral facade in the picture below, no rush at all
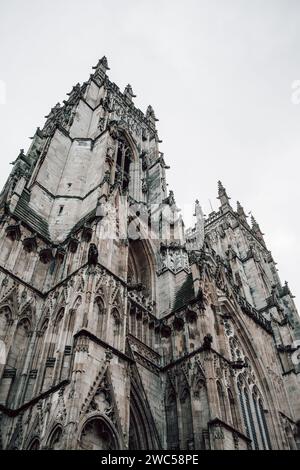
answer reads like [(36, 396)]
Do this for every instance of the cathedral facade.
[(119, 329)]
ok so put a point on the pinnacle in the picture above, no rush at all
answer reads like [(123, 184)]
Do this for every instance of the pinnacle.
[(222, 195), (240, 210), (128, 91), (102, 63), (150, 114)]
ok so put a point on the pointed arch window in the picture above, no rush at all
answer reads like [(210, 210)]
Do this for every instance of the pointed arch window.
[(5, 322), (99, 310), (124, 159), (233, 410), (264, 423), (244, 413), (259, 420), (250, 419), (116, 324), (172, 421), (222, 404)]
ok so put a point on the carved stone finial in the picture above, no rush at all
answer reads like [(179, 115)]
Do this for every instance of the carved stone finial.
[(128, 92), (102, 64), (255, 227), (150, 115), (222, 195), (240, 211)]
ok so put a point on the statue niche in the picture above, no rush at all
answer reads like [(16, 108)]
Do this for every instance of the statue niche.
[(140, 275), (124, 159)]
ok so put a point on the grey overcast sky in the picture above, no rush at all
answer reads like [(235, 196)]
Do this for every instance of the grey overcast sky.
[(218, 73)]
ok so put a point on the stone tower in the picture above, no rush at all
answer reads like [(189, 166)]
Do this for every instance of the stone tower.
[(118, 328)]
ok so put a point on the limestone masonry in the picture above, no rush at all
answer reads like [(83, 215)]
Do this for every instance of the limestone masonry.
[(119, 329)]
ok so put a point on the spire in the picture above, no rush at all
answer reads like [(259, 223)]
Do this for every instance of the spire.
[(150, 115), (222, 195), (241, 212), (128, 92)]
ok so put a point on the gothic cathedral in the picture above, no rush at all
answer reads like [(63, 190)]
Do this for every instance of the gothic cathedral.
[(119, 328)]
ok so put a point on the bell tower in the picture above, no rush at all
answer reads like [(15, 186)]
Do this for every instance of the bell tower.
[(119, 329)]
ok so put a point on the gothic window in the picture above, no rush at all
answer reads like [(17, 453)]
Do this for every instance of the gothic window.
[(99, 315), (97, 435), (124, 158), (172, 421), (250, 419), (55, 439), (68, 348), (40, 340), (55, 333), (264, 423), (244, 412), (132, 321), (15, 362), (19, 348), (258, 418), (51, 372), (222, 404), (186, 419), (34, 445), (140, 268), (5, 318), (116, 325), (233, 410)]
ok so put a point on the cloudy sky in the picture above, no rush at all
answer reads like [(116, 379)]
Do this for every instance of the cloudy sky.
[(219, 74)]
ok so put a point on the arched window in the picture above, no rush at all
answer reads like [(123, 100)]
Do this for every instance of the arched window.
[(36, 362), (97, 435), (243, 409), (5, 319), (258, 419), (34, 444), (116, 327), (15, 362), (68, 349), (172, 421), (222, 404), (250, 419), (233, 410), (264, 423), (124, 158), (99, 315), (55, 333), (51, 371), (186, 419), (55, 439)]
